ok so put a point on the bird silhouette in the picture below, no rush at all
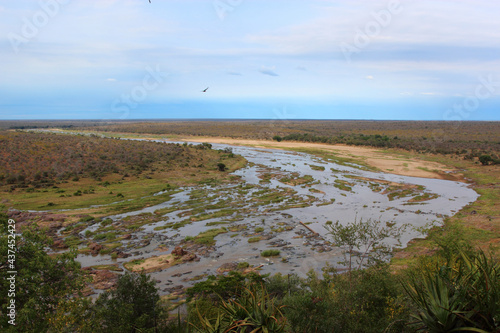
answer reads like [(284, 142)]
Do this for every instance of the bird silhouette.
[(205, 90)]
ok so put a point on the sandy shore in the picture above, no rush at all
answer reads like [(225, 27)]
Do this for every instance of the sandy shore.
[(390, 162)]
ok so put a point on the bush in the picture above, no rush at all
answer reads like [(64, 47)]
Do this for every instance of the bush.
[(270, 253), (368, 301), (254, 239), (131, 307), (485, 159), (462, 294), (251, 311)]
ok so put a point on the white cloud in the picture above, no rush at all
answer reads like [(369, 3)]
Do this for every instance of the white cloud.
[(268, 71)]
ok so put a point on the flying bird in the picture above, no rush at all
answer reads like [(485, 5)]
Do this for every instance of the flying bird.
[(205, 90)]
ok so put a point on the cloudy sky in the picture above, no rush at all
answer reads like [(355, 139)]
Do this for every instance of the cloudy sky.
[(273, 59)]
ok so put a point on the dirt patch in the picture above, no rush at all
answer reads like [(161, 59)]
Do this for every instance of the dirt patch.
[(385, 161), (152, 264), (159, 263)]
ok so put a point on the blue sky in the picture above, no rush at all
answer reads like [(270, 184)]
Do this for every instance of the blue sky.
[(279, 59)]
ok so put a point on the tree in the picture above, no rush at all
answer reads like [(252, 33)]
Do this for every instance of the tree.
[(131, 307), (485, 159), (362, 240), (44, 283), (221, 166)]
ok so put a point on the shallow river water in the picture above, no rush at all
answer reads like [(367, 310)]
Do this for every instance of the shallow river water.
[(324, 191)]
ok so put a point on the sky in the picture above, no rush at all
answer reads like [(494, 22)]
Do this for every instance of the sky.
[(260, 59)]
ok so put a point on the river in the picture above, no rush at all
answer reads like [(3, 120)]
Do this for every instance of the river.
[(310, 190)]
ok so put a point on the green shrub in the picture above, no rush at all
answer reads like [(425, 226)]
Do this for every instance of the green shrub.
[(254, 239), (270, 253), (461, 294), (368, 301)]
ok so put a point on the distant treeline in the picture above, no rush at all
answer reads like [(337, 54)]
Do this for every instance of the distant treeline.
[(467, 139), (469, 149)]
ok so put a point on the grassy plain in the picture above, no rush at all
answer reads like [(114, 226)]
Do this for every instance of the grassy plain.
[(113, 192)]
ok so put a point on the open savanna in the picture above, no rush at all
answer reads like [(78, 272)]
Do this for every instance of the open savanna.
[(47, 171)]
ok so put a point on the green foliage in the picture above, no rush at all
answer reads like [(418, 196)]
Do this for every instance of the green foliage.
[(131, 307), (254, 239), (463, 294), (369, 301), (43, 285), (224, 286), (251, 311), (243, 265), (362, 240), (270, 253), (485, 159), (221, 167)]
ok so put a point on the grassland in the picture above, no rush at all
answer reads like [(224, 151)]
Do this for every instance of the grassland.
[(42, 171), (477, 224)]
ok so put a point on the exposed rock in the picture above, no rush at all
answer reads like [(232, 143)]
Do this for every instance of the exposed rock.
[(43, 219), (178, 251), (121, 254), (59, 244), (95, 248), (189, 257), (175, 289), (104, 279), (227, 267)]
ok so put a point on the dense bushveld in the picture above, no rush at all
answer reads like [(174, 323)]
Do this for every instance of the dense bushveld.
[(455, 290), (38, 159), (61, 171), (466, 138)]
